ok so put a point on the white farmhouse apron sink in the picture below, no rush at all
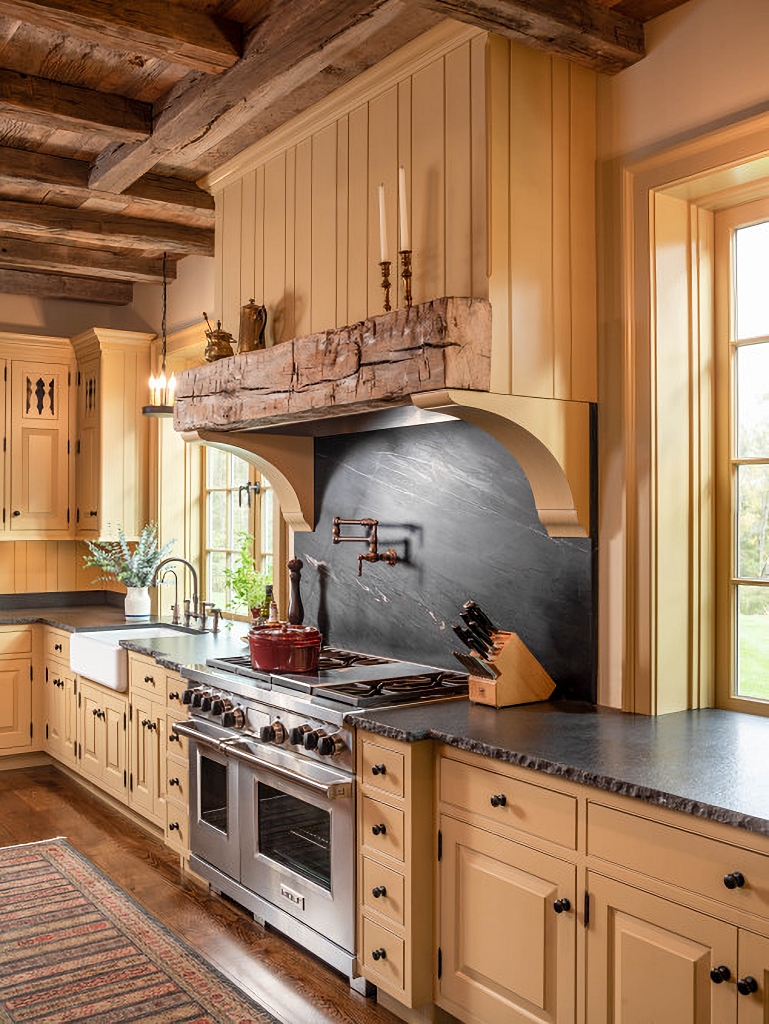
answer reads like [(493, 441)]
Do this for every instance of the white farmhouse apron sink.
[(100, 657)]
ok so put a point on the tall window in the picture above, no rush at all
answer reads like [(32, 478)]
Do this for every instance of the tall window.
[(238, 501), (745, 475)]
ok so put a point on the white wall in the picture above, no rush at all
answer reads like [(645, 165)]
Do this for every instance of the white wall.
[(706, 64)]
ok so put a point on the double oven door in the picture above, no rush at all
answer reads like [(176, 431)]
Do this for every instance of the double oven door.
[(280, 825)]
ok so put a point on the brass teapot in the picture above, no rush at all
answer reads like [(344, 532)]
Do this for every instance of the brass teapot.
[(253, 321), (219, 344)]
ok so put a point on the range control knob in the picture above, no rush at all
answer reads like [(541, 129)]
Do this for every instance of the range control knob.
[(330, 745), (187, 696), (297, 734), (235, 718), (220, 704), (311, 738), (273, 733), (207, 702), (199, 696)]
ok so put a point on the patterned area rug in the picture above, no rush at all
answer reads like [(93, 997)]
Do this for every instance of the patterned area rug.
[(74, 947)]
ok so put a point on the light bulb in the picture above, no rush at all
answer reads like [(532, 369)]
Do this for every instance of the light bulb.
[(153, 390)]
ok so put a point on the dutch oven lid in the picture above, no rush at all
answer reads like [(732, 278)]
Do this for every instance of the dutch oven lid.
[(288, 635)]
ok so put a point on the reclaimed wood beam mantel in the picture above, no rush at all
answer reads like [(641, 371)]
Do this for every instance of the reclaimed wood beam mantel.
[(378, 363)]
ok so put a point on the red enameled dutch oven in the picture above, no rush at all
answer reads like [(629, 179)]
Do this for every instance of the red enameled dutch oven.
[(285, 648)]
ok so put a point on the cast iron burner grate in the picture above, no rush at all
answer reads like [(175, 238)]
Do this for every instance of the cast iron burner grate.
[(409, 689), (329, 658)]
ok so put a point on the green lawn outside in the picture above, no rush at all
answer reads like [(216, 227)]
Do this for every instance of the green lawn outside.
[(754, 656)]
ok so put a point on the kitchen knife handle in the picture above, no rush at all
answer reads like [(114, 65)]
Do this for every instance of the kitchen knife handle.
[(474, 608)]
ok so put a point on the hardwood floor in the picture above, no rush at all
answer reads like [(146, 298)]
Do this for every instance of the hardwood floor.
[(41, 803)]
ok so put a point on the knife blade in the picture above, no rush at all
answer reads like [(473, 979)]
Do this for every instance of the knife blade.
[(470, 640), (476, 666), (476, 628), (480, 616)]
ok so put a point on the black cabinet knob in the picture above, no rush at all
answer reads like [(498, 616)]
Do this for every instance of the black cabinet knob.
[(498, 800), (562, 905), (57, 647), (16, 512), (379, 769), (173, 826), (719, 974), (734, 880), (379, 954), (145, 723), (149, 679), (173, 696), (747, 985), (174, 782), (174, 736), (379, 830), (377, 891)]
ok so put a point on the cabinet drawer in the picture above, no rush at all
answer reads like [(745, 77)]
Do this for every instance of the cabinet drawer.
[(683, 859), (55, 644), (388, 966), (382, 768), (377, 877), (521, 805), (177, 783), (175, 687), (147, 677), (382, 828), (177, 746), (177, 828)]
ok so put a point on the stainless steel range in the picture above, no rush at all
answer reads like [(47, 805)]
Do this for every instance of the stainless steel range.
[(272, 785)]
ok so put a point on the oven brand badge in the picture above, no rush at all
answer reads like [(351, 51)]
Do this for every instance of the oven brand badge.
[(292, 897)]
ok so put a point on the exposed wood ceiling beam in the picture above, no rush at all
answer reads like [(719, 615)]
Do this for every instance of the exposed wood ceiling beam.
[(20, 170), (55, 105), (103, 231), (69, 259), (194, 40), (588, 33), (57, 286), (283, 52)]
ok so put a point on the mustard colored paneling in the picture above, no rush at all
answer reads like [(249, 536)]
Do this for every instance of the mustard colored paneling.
[(248, 253), (458, 212), (383, 169), (302, 237), (428, 181), (358, 198), (342, 217), (275, 247)]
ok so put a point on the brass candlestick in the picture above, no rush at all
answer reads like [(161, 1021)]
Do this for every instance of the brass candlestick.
[(385, 265), (405, 255)]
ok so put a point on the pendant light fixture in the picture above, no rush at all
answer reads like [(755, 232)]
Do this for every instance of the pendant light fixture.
[(162, 389)]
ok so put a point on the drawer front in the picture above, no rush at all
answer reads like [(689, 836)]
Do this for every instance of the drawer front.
[(377, 877), (382, 828), (177, 827), (148, 677), (507, 801), (55, 644), (177, 782), (175, 687), (382, 768), (683, 859), (177, 746), (382, 955)]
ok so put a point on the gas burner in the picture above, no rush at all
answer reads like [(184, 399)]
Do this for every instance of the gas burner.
[(407, 689), (333, 657), (330, 658)]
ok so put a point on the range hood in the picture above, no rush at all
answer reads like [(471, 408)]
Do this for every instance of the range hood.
[(427, 362)]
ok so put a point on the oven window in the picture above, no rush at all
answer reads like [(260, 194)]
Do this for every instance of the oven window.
[(295, 834), (213, 793)]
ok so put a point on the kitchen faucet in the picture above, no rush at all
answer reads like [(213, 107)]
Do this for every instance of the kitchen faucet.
[(193, 612)]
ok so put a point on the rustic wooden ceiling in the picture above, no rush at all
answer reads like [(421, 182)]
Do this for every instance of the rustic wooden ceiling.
[(110, 112)]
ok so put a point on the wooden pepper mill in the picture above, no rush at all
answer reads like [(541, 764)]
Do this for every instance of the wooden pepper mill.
[(295, 607)]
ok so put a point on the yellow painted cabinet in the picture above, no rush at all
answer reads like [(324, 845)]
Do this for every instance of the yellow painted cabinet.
[(508, 929), (147, 776), (102, 746), (61, 712), (16, 709)]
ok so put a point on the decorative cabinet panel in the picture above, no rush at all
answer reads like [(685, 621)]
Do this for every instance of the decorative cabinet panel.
[(60, 701), (113, 370), (16, 714), (102, 745)]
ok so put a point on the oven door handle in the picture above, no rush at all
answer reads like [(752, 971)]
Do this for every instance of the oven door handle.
[(184, 729), (331, 790)]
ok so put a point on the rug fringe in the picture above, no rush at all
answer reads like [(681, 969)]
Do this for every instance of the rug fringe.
[(38, 842)]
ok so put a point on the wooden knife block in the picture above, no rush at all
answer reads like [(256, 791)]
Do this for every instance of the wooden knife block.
[(521, 679)]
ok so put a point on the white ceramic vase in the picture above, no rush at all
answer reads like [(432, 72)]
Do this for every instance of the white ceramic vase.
[(137, 603)]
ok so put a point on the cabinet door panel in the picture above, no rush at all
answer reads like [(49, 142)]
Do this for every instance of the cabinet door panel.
[(114, 776), (753, 1007), (16, 703), (142, 761), (650, 960), (507, 955), (91, 736)]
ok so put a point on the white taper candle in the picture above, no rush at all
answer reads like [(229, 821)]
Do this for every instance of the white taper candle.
[(382, 226), (403, 207)]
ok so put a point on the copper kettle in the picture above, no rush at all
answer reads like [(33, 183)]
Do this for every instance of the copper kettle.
[(253, 321), (219, 343)]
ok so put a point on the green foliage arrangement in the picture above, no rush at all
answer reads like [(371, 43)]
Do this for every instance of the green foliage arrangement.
[(246, 584), (133, 568)]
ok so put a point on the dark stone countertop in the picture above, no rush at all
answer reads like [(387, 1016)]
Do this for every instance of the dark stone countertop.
[(709, 763), (172, 652)]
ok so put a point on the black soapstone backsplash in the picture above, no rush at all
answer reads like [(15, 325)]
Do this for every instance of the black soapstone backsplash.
[(458, 510)]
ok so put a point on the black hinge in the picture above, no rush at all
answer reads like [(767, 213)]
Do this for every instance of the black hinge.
[(5, 442), (440, 961), (80, 751), (78, 378), (69, 378), (586, 909), (80, 700), (74, 749), (3, 515), (67, 446), (77, 447), (440, 844), (130, 712), (46, 732), (74, 688), (77, 514), (67, 515), (31, 676), (46, 673), (131, 782), (30, 730), (125, 779), (5, 373), (124, 722)]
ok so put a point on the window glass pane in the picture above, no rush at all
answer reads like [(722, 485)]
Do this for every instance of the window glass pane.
[(218, 535), (753, 401), (753, 521), (267, 520), (751, 251), (216, 468), (753, 642), (241, 516), (217, 560)]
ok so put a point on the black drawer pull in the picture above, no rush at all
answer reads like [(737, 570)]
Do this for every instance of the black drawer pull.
[(377, 891), (149, 679), (173, 826), (562, 905), (498, 800), (379, 954), (173, 696), (719, 974), (57, 647), (379, 830), (734, 880), (174, 782), (173, 736), (747, 985), (379, 769)]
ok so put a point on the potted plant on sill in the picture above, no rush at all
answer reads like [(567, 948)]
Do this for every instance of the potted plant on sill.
[(248, 586), (135, 569)]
